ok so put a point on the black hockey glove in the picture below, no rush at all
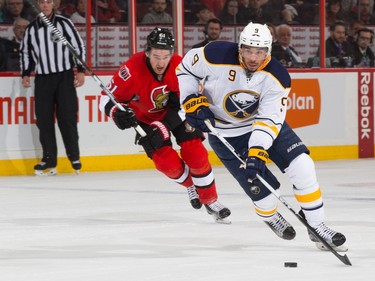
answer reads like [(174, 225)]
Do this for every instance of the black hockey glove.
[(256, 162), (197, 111), (123, 119), (157, 134)]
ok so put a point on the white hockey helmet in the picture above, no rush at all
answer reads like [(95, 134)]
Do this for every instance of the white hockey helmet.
[(256, 35)]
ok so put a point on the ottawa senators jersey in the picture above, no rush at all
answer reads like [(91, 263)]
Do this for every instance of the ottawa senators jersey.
[(135, 85), (241, 101)]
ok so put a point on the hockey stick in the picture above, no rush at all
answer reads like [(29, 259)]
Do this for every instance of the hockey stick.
[(60, 37), (344, 259)]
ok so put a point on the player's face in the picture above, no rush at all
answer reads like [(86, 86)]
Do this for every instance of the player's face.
[(252, 57), (159, 60)]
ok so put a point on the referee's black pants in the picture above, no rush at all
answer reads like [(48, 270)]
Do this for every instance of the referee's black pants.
[(55, 95)]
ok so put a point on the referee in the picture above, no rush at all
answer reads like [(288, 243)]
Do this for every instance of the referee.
[(55, 85)]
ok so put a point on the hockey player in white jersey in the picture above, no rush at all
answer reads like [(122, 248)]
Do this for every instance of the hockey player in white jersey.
[(242, 91)]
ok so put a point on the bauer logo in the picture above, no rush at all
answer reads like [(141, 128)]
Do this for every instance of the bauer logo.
[(303, 103)]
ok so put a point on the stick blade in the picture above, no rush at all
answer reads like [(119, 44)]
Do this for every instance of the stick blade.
[(345, 259)]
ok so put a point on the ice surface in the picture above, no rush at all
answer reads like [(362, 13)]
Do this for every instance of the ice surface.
[(139, 226)]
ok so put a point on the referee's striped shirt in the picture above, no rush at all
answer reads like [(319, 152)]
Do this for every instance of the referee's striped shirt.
[(41, 54)]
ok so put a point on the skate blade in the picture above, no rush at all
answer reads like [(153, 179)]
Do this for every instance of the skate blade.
[(47, 172), (341, 248), (76, 172), (221, 221)]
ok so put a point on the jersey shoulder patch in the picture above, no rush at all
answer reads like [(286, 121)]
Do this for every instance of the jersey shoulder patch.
[(277, 70), (221, 52)]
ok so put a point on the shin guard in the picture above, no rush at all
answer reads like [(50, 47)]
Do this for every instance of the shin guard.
[(168, 162), (195, 156)]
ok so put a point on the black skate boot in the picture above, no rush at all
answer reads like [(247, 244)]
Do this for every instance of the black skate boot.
[(44, 168), (194, 197), (333, 238), (281, 227), (76, 165), (218, 212)]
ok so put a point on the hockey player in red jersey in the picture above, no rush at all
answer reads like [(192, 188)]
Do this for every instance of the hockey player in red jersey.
[(147, 86)]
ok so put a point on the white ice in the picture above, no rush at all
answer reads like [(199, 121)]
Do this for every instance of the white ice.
[(139, 226)]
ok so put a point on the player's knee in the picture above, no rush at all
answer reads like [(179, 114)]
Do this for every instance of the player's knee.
[(195, 154), (168, 162), (301, 172)]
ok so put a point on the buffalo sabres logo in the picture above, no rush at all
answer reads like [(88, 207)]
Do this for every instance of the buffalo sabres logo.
[(254, 189), (159, 97), (241, 105)]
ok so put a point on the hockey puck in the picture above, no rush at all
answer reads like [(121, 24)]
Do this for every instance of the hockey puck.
[(290, 264)]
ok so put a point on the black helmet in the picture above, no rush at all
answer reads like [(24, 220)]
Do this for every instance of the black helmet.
[(160, 38)]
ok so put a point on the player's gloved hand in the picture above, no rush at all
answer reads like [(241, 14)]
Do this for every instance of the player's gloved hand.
[(197, 111), (157, 134), (256, 162), (123, 119)]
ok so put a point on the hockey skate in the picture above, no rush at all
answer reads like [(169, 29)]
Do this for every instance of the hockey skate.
[(194, 198), (76, 165), (218, 212), (44, 169), (281, 227), (333, 238)]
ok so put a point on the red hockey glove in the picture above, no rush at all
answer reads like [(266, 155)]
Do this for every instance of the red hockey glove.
[(123, 119), (157, 134)]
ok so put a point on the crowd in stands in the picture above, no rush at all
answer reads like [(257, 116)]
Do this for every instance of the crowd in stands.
[(277, 14), (230, 12)]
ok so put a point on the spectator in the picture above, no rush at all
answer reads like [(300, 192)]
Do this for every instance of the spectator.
[(229, 13), (203, 14), (123, 5), (1, 11), (63, 7), (55, 85), (346, 5), (274, 8), (338, 50), (211, 31), (79, 16), (334, 11), (252, 11), (215, 6), (362, 12), (9, 49), (282, 50), (158, 14), (8, 55), (299, 12), (354, 26), (272, 29), (363, 56), (15, 9), (106, 11), (19, 27)]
